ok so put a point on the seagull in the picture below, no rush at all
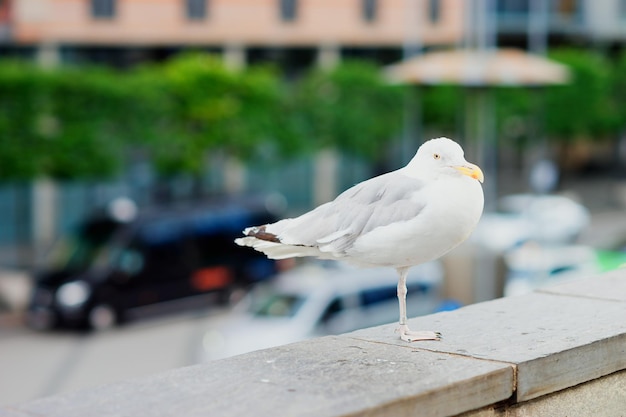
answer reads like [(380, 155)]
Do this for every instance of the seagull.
[(399, 219)]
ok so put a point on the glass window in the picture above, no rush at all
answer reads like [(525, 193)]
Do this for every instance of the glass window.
[(378, 295), (196, 9), (566, 10), (622, 10), (83, 249), (288, 9), (335, 307), (374, 296), (566, 7), (434, 10), (157, 255), (103, 9), (276, 305), (512, 6), (162, 231), (369, 10)]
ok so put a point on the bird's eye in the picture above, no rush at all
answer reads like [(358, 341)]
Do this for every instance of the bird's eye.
[(436, 156)]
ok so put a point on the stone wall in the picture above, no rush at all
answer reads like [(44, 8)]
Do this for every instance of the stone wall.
[(557, 352)]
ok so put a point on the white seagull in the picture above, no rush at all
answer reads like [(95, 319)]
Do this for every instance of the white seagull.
[(400, 219)]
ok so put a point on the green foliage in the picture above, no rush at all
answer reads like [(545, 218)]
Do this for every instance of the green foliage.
[(19, 136), (213, 108), (441, 105), (583, 107), (78, 120), (618, 88), (65, 123), (349, 107), (82, 122)]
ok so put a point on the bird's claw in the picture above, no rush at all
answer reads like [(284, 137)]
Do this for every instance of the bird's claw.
[(413, 336)]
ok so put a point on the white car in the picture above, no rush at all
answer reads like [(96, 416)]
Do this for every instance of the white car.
[(317, 299), (533, 266), (547, 219)]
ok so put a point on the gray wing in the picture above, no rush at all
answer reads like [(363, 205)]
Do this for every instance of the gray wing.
[(333, 227)]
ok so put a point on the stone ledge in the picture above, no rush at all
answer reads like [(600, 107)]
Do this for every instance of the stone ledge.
[(321, 377), (512, 351), (554, 341), (604, 396)]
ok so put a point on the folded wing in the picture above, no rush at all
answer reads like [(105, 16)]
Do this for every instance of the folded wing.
[(332, 228)]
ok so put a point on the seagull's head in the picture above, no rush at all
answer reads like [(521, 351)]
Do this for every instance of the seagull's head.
[(441, 158)]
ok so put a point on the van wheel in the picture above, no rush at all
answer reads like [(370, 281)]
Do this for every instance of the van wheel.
[(102, 317)]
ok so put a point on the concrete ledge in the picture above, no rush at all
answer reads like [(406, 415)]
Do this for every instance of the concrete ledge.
[(504, 356), (604, 396), (554, 340)]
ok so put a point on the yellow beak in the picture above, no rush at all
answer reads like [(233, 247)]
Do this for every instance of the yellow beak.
[(471, 170)]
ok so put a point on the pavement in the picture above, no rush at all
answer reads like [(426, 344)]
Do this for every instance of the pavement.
[(38, 364)]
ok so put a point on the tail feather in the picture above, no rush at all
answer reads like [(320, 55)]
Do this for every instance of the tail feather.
[(277, 250), (269, 240), (261, 233)]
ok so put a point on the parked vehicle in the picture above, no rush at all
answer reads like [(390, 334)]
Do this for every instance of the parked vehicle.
[(547, 219), (536, 235), (535, 265), (316, 299), (123, 261)]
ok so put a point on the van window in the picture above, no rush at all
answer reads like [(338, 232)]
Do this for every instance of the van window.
[(212, 235), (331, 311), (419, 288), (214, 246), (378, 295), (383, 294), (78, 252), (158, 250), (161, 232), (277, 305)]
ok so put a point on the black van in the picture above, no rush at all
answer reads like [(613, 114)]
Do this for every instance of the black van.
[(116, 265)]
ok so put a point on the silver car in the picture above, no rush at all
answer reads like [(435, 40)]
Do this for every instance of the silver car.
[(316, 299)]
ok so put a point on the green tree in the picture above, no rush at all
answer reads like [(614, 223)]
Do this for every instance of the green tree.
[(210, 108), (20, 137), (64, 123), (350, 108), (618, 88), (582, 108), (440, 106)]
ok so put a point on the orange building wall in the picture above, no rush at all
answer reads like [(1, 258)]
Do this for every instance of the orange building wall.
[(249, 22)]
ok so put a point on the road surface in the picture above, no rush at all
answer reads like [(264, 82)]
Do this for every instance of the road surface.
[(35, 364)]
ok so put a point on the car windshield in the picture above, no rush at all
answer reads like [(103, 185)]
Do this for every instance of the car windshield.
[(272, 304), (80, 250)]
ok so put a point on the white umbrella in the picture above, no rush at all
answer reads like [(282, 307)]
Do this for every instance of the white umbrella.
[(479, 68)]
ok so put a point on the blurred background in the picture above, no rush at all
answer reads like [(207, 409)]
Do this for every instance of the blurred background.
[(139, 137)]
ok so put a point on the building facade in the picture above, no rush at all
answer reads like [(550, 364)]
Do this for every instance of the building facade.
[(304, 31), (538, 23), (294, 33)]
